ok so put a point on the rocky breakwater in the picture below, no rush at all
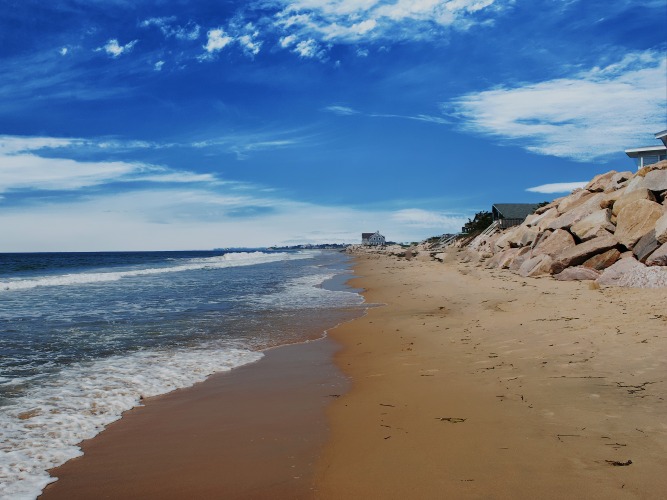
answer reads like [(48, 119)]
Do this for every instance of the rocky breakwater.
[(613, 231)]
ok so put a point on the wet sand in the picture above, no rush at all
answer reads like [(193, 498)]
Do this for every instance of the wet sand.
[(251, 433), (472, 383)]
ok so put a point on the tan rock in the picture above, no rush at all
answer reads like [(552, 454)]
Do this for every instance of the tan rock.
[(619, 181), (659, 257), (521, 256), (577, 274), (635, 220), (630, 196), (655, 180), (591, 225), (581, 253), (549, 206), (554, 243), (505, 258), (522, 236), (600, 182), (539, 265), (577, 197), (603, 260), (614, 275), (661, 228), (611, 197), (578, 212)]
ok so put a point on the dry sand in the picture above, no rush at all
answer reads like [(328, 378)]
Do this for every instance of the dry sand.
[(467, 383), (471, 383)]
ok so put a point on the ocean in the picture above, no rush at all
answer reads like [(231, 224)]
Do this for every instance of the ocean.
[(86, 336)]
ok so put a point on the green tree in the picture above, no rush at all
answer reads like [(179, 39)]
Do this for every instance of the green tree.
[(479, 223)]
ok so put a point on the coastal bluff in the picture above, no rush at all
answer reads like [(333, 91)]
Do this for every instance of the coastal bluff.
[(613, 231)]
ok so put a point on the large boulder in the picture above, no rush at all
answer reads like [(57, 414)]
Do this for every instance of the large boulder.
[(554, 243), (631, 273), (600, 182), (522, 255), (661, 228), (539, 265), (659, 257), (611, 197), (541, 220), (577, 274), (655, 180), (573, 200), (646, 245), (581, 253), (629, 197), (603, 260), (573, 215), (522, 236), (592, 225), (618, 181), (635, 220)]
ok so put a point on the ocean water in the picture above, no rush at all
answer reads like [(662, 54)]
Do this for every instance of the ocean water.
[(83, 337)]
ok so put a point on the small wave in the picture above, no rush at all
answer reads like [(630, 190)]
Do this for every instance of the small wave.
[(218, 262), (42, 430)]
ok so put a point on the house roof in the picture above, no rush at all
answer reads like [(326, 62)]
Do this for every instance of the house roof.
[(367, 235), (660, 135), (635, 152), (514, 210)]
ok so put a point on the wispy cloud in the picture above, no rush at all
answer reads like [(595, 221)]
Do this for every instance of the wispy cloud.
[(341, 110), (442, 222), (587, 116), (114, 49), (557, 187), (190, 31)]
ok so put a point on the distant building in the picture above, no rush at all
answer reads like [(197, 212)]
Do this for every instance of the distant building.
[(650, 154), (511, 214), (372, 239)]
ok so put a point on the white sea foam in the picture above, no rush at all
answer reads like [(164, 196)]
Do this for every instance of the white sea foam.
[(42, 429), (307, 293), (218, 262)]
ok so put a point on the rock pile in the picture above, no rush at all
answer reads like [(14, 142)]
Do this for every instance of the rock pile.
[(613, 231)]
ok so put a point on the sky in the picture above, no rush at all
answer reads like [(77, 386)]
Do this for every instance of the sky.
[(200, 124)]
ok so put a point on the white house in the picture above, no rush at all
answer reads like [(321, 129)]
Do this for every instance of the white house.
[(372, 239), (650, 154)]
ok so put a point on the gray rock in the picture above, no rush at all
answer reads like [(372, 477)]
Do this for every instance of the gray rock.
[(581, 253), (577, 274), (635, 220), (661, 228), (591, 225), (646, 245), (659, 257)]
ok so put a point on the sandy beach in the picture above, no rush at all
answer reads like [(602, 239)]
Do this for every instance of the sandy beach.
[(464, 383)]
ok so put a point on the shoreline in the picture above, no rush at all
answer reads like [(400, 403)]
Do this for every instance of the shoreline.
[(475, 383), (463, 382), (246, 433)]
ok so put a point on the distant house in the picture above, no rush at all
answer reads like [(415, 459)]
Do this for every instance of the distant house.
[(511, 214), (650, 154), (372, 239)]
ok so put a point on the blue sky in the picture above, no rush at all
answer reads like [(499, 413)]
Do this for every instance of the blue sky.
[(180, 124)]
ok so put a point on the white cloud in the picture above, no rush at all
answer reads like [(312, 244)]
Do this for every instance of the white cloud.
[(587, 116), (442, 222), (114, 49), (288, 40), (22, 167), (250, 44), (190, 31), (341, 110), (158, 65), (350, 21), (557, 187), (308, 49), (217, 40), (63, 51)]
